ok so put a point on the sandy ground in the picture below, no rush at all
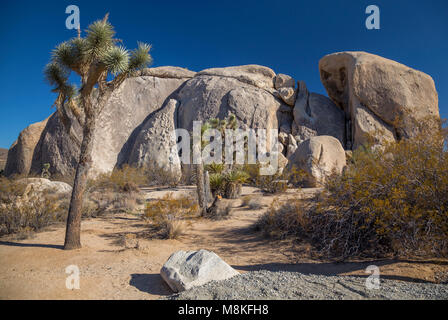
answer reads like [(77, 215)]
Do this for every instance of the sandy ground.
[(35, 268)]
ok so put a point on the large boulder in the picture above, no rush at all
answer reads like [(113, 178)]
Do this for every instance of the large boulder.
[(20, 155), (42, 185), (205, 97), (155, 145), (369, 129), (255, 75), (122, 118), (284, 81), (288, 95), (316, 115), (393, 93), (187, 269), (57, 148), (167, 72), (319, 157), (117, 127)]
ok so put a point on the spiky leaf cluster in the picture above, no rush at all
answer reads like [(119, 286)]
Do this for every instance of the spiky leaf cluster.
[(93, 58)]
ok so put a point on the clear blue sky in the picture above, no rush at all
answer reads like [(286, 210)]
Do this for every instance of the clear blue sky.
[(288, 36)]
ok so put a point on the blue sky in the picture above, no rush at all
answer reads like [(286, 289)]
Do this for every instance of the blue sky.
[(287, 36)]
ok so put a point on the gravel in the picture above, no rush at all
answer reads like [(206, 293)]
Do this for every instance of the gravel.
[(296, 286)]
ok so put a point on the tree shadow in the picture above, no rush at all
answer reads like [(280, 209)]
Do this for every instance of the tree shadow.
[(31, 245), (150, 283)]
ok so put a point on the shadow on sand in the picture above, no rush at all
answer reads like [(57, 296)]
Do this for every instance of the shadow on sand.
[(150, 283), (30, 245)]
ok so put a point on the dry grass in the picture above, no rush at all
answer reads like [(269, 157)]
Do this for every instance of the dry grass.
[(252, 202), (167, 216), (23, 214)]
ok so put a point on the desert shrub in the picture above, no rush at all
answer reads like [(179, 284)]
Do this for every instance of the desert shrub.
[(389, 200), (228, 184), (125, 179), (69, 179), (276, 183), (167, 215), (98, 202), (217, 184), (219, 210), (161, 177), (117, 191), (282, 219), (252, 202), (25, 213), (215, 168)]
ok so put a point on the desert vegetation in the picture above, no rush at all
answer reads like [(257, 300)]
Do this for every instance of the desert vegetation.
[(169, 216), (390, 200), (25, 209), (93, 59)]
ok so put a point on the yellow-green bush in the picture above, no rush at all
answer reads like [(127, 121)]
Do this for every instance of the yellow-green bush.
[(389, 200), (168, 214), (20, 213), (276, 183)]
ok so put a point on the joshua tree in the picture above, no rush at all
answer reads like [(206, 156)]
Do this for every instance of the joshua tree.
[(202, 178), (102, 66)]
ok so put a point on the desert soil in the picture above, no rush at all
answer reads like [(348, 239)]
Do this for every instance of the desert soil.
[(111, 268)]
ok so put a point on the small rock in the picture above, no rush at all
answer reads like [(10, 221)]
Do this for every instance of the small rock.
[(283, 80)]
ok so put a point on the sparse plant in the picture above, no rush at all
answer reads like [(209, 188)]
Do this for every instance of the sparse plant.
[(252, 202), (24, 211), (234, 183), (276, 183), (168, 215), (46, 171), (283, 219), (219, 210)]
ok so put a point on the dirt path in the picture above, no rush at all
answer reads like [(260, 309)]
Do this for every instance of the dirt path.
[(35, 268)]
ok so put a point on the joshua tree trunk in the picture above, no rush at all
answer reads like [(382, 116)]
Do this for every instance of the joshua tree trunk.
[(208, 192), (73, 230), (233, 190), (200, 186)]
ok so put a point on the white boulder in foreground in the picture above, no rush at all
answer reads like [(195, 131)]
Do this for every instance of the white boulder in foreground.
[(186, 269)]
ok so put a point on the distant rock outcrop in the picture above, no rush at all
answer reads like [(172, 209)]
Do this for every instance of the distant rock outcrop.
[(20, 155), (366, 94), (155, 144), (375, 93), (316, 115), (318, 156)]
